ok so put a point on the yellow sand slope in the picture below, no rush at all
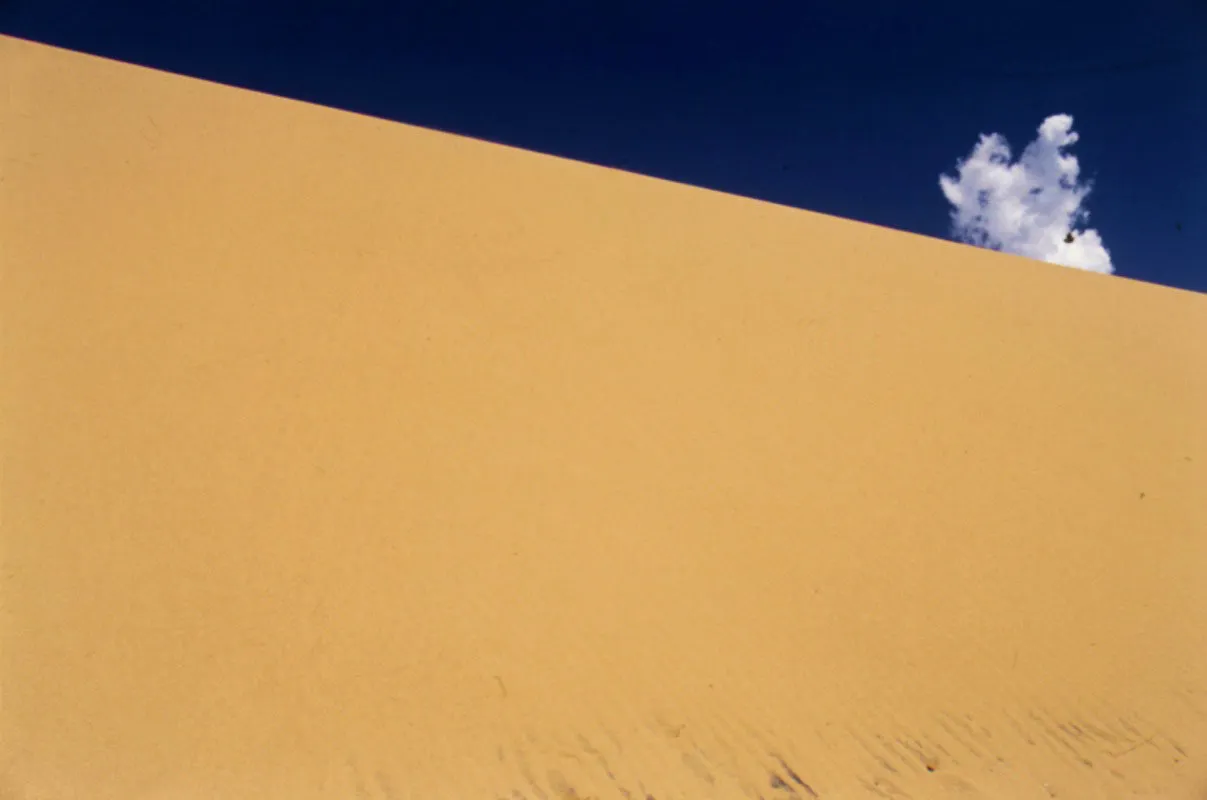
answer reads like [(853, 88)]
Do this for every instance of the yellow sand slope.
[(346, 459)]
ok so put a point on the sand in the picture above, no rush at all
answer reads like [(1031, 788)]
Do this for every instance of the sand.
[(343, 458)]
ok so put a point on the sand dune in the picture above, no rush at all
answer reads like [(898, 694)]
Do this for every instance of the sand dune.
[(347, 459)]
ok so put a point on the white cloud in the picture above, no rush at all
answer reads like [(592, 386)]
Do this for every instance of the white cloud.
[(1030, 206)]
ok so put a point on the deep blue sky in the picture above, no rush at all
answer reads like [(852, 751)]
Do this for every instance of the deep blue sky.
[(848, 108)]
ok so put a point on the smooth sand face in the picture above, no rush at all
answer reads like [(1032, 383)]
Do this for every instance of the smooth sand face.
[(347, 459)]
